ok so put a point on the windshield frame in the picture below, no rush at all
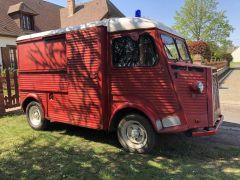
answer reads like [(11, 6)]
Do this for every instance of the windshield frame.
[(186, 48), (175, 38), (166, 48)]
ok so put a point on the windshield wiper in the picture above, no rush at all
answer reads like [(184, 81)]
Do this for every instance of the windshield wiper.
[(168, 51)]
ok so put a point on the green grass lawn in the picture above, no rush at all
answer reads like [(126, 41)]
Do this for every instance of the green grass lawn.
[(234, 64), (77, 153)]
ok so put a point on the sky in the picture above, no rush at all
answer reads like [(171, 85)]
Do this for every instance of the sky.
[(164, 11)]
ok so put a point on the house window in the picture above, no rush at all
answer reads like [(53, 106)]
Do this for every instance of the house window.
[(134, 53), (27, 22)]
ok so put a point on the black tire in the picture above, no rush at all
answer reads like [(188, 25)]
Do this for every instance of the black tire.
[(136, 134), (36, 121)]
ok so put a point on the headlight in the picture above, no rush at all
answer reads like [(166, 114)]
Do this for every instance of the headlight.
[(197, 87), (200, 87)]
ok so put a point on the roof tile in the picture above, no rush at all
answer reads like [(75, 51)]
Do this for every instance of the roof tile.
[(48, 18), (88, 12)]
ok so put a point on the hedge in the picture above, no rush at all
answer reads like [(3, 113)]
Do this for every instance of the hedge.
[(199, 47)]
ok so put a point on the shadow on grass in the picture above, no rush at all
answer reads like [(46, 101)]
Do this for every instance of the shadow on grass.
[(88, 134), (53, 157)]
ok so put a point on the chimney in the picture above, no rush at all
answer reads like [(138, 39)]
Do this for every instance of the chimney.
[(71, 7)]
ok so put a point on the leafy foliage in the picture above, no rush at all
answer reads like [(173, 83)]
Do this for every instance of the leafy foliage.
[(201, 20), (227, 56), (199, 47)]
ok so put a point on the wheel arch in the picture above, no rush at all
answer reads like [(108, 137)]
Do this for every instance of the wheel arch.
[(29, 98), (122, 111)]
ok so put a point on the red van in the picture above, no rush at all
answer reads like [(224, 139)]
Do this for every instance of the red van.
[(129, 75)]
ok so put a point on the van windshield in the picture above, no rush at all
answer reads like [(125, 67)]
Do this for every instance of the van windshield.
[(182, 50), (170, 47), (175, 49)]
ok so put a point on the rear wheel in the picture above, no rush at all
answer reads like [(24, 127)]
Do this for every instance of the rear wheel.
[(35, 116), (136, 134)]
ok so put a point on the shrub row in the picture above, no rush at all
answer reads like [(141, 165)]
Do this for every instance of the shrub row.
[(199, 47), (203, 48)]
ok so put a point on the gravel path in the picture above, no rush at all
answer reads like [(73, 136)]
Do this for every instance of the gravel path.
[(229, 133), (230, 98)]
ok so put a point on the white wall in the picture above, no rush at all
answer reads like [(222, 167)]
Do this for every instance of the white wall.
[(4, 41), (236, 55)]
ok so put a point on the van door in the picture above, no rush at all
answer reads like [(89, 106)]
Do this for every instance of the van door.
[(138, 75), (86, 52), (185, 76)]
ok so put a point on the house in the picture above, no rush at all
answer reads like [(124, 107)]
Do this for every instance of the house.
[(19, 17), (236, 55), (95, 10)]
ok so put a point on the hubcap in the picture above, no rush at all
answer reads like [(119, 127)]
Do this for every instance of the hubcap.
[(35, 115), (134, 134)]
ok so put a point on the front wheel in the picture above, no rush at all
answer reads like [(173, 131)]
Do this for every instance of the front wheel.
[(35, 116), (136, 134)]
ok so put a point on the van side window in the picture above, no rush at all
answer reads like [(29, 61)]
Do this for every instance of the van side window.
[(130, 53), (148, 56), (125, 52)]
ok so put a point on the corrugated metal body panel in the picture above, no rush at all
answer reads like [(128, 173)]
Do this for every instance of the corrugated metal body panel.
[(46, 54), (43, 68), (43, 82), (67, 71), (58, 108), (149, 84), (85, 53), (194, 105)]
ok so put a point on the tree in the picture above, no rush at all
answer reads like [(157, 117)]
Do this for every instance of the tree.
[(201, 20)]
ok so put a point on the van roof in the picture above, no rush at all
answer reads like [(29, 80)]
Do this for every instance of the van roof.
[(112, 24)]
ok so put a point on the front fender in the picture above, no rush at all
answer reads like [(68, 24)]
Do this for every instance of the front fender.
[(147, 109)]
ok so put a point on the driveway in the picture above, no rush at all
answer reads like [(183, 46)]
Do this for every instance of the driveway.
[(230, 98), (229, 133)]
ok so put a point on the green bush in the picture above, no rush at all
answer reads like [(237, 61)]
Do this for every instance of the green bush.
[(199, 47), (227, 56)]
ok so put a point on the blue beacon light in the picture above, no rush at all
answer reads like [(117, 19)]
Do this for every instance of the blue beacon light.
[(138, 13)]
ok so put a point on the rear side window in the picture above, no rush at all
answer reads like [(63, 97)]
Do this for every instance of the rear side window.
[(133, 53)]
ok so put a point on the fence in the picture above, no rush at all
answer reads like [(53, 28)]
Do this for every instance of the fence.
[(9, 94), (217, 64)]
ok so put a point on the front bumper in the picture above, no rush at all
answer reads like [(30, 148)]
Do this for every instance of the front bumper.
[(210, 131)]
